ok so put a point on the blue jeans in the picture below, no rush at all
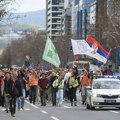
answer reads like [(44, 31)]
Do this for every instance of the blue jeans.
[(21, 100), (33, 94)]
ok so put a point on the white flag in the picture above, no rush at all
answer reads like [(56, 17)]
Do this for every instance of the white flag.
[(80, 47), (50, 54)]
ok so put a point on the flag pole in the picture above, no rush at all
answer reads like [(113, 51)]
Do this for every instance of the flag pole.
[(108, 55)]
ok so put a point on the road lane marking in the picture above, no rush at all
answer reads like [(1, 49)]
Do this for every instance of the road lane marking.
[(44, 112), (27, 109), (54, 118), (31, 104), (114, 111), (3, 109), (67, 106)]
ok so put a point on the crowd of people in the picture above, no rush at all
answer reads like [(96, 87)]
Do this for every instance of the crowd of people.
[(55, 86)]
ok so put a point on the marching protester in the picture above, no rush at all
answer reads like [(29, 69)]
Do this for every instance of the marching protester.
[(66, 84), (60, 89), (85, 82), (6, 93), (23, 82), (73, 84), (14, 91), (2, 88), (33, 83), (43, 85), (54, 87)]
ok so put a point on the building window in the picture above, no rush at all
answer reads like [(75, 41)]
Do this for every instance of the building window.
[(57, 2)]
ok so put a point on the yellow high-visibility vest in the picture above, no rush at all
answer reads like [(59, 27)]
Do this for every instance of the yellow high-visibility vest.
[(73, 83)]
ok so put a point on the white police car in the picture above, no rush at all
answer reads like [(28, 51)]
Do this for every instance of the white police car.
[(105, 92)]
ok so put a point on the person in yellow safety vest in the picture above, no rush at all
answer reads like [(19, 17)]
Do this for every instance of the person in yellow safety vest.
[(73, 84)]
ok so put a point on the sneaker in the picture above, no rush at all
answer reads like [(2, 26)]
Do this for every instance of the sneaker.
[(83, 102), (13, 115), (75, 103), (71, 103), (45, 104), (33, 103)]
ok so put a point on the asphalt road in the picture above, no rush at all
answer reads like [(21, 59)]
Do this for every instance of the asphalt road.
[(66, 112)]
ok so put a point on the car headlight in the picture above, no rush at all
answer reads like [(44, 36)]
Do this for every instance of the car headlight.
[(96, 95)]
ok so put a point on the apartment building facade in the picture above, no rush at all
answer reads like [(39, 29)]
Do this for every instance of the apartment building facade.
[(54, 11)]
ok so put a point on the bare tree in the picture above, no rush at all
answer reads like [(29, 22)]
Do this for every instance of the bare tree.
[(107, 27), (4, 7)]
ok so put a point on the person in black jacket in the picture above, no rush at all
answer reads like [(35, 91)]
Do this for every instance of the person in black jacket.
[(6, 95), (14, 91), (53, 90)]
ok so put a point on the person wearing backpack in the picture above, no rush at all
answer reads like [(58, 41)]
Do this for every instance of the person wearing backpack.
[(14, 91)]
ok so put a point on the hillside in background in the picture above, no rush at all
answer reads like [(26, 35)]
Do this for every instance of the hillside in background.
[(33, 18), (14, 24)]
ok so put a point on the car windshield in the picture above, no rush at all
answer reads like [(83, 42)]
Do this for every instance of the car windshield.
[(106, 84)]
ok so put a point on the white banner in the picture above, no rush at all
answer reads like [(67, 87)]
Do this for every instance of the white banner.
[(80, 47)]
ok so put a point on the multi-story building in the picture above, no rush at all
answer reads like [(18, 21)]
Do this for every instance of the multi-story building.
[(54, 11), (80, 17), (67, 18)]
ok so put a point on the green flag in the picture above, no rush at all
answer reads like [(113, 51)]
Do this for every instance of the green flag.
[(50, 54)]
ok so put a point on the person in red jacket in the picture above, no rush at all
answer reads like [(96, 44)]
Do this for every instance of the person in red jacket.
[(43, 85)]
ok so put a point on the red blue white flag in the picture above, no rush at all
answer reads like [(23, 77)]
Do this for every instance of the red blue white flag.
[(97, 51)]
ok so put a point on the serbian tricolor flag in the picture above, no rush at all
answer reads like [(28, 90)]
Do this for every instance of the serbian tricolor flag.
[(97, 51)]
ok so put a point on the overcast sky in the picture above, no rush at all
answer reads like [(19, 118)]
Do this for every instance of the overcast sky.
[(29, 5)]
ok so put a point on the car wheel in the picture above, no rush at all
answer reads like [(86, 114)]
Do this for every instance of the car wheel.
[(92, 108), (118, 108), (87, 106)]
